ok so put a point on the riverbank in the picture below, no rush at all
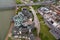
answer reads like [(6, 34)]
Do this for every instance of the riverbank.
[(5, 17)]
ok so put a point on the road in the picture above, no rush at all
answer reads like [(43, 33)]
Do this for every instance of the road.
[(38, 3), (36, 21), (37, 24)]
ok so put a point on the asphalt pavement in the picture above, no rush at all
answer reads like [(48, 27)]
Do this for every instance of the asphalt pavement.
[(37, 23)]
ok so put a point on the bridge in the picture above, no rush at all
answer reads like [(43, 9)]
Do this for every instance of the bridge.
[(10, 4), (38, 3)]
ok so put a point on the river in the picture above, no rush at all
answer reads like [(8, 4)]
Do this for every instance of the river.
[(6, 12), (5, 17)]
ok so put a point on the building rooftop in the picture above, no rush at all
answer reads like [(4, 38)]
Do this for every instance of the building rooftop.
[(56, 8), (24, 17), (25, 12), (23, 31), (23, 25), (53, 19), (18, 19)]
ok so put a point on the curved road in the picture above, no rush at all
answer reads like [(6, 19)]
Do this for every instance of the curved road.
[(37, 3), (37, 23)]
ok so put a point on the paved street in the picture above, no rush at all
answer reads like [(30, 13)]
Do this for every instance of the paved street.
[(37, 24), (37, 3)]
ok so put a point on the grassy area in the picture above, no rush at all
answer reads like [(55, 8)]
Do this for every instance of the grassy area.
[(37, 6), (18, 1), (35, 0), (9, 38), (34, 31), (44, 30)]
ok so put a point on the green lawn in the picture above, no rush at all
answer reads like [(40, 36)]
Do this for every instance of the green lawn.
[(34, 31), (9, 38), (37, 6), (35, 0), (18, 1), (44, 30)]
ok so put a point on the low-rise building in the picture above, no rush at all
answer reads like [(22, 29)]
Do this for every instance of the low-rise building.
[(23, 26), (51, 18), (21, 17), (23, 32), (43, 10)]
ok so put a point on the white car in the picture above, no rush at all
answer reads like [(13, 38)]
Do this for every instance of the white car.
[(44, 9)]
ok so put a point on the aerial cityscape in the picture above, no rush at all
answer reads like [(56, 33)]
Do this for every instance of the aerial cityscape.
[(29, 19)]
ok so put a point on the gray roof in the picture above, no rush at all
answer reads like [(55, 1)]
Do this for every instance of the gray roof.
[(27, 13), (18, 19)]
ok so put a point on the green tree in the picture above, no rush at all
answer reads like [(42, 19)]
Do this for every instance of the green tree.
[(9, 38)]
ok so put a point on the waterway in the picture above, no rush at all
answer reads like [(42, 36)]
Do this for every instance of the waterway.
[(6, 12), (5, 17)]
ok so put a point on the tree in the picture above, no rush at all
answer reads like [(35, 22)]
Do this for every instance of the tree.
[(56, 1), (9, 38)]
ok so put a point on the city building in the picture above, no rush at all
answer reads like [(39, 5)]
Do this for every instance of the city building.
[(44, 10), (18, 19), (22, 32), (23, 26), (23, 17), (52, 20), (25, 12)]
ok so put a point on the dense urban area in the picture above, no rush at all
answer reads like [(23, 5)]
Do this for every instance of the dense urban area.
[(30, 20)]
